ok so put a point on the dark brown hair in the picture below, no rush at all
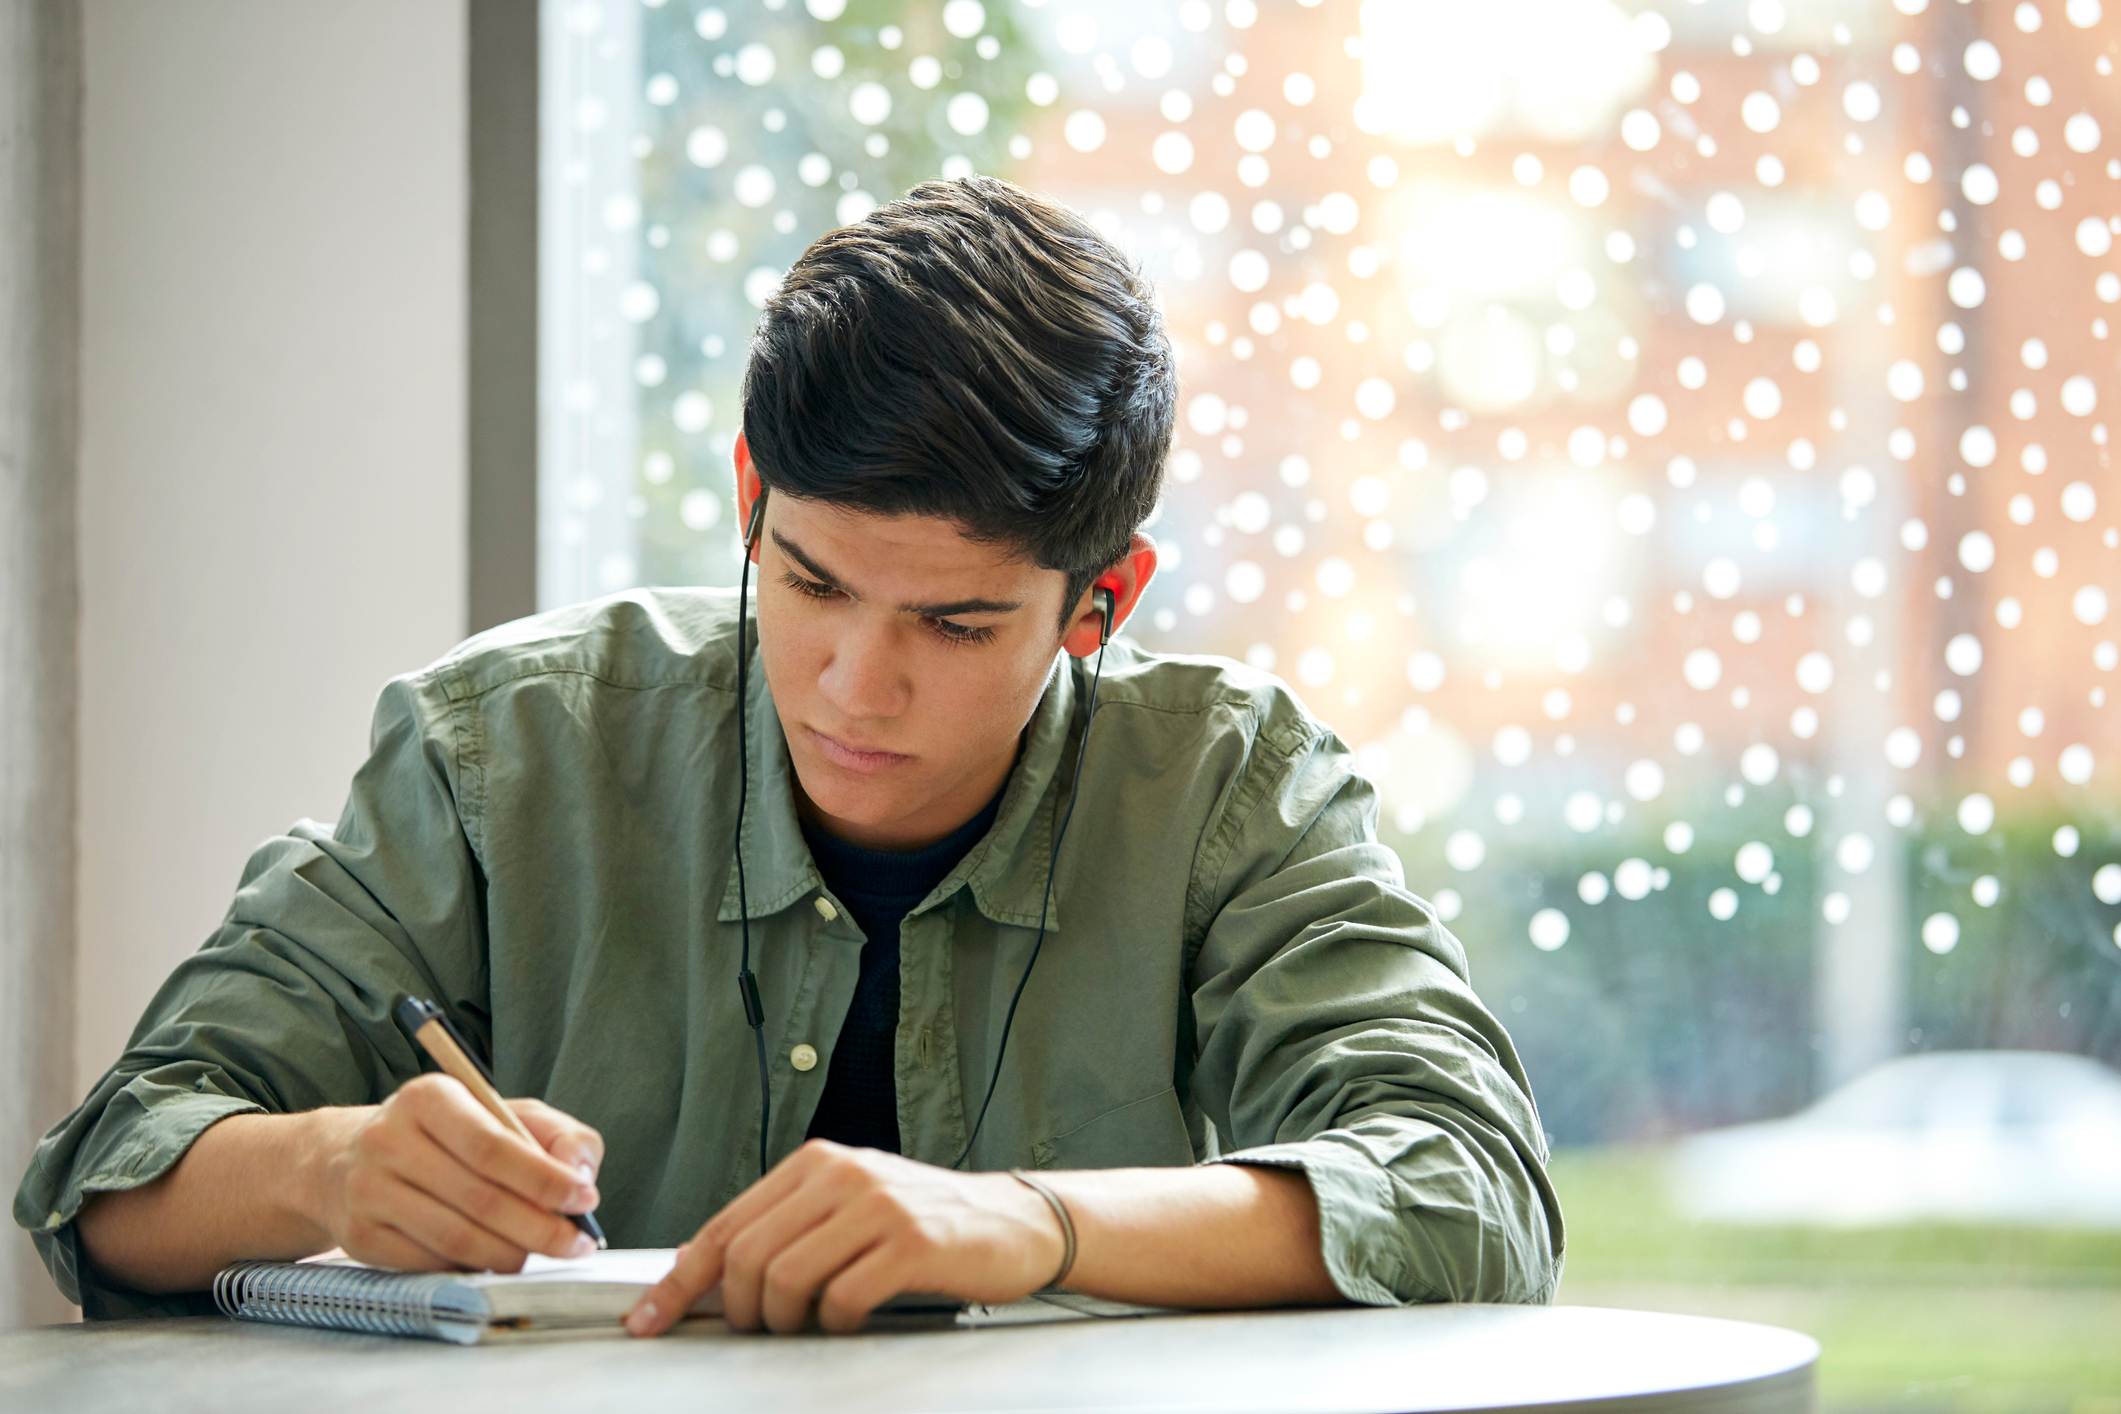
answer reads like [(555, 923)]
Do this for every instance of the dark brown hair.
[(973, 352)]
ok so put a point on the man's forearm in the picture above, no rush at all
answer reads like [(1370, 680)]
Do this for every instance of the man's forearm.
[(241, 1190), (1214, 1235)]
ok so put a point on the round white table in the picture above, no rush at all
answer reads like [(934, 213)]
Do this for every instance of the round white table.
[(1443, 1357)]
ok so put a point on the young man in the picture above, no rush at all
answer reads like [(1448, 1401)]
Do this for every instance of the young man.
[(1248, 1061)]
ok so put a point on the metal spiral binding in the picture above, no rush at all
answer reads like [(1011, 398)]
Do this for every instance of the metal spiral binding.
[(364, 1299)]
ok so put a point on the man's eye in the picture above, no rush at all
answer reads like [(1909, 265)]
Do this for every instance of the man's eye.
[(959, 633), (808, 587)]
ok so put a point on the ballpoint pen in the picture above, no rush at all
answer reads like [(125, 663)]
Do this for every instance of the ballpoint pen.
[(429, 1025)]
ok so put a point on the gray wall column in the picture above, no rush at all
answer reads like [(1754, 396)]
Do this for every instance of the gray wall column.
[(502, 318), (40, 325)]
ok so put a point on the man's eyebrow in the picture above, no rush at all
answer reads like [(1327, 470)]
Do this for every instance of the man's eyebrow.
[(926, 611)]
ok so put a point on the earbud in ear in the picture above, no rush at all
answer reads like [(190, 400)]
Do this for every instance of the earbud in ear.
[(758, 518), (1106, 596)]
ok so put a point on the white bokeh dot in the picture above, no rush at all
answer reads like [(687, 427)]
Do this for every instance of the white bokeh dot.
[(1549, 929)]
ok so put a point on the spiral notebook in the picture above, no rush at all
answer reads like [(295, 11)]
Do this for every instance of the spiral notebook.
[(552, 1299)]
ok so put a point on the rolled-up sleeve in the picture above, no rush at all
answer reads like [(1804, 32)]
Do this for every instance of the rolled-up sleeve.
[(1337, 1032), (287, 1005)]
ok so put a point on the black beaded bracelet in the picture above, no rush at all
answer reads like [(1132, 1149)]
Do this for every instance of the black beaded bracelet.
[(1060, 1210)]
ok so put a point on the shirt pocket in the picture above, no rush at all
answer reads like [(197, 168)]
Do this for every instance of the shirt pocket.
[(1143, 1133)]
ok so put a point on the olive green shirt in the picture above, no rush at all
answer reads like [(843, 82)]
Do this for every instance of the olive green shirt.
[(541, 840)]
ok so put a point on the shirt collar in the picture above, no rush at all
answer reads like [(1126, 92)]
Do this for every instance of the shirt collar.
[(1005, 870)]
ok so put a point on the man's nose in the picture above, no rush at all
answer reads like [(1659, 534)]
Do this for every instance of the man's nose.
[(864, 677)]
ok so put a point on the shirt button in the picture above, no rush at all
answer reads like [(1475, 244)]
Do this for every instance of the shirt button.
[(825, 910), (803, 1057)]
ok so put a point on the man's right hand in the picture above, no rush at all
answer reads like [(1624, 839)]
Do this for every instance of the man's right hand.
[(429, 1181)]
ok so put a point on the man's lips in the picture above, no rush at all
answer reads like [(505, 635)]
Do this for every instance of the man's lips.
[(854, 749)]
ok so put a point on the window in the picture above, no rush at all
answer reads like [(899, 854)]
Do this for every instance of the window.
[(1672, 441)]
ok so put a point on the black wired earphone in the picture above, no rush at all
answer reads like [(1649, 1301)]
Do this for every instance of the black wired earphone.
[(1104, 597)]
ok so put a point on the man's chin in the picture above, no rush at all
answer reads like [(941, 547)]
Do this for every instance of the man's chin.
[(838, 798)]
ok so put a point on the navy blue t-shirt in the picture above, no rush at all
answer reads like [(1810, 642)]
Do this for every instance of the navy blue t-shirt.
[(860, 1103)]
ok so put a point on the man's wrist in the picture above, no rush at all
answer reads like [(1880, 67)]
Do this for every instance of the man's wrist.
[(1046, 1239), (315, 1141), (1062, 1220), (1209, 1235)]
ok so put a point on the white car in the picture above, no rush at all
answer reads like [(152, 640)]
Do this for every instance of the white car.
[(1976, 1136)]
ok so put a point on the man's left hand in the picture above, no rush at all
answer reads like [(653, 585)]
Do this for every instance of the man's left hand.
[(844, 1230)]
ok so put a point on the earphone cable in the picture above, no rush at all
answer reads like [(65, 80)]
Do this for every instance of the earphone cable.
[(1052, 862), (748, 984)]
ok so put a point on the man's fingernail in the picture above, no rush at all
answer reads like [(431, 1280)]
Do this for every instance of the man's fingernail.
[(584, 1244), (641, 1318), (587, 1170), (583, 1199)]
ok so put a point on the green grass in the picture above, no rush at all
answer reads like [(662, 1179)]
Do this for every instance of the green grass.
[(1929, 1316)]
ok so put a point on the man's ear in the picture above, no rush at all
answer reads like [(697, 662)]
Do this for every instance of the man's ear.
[(1129, 576)]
